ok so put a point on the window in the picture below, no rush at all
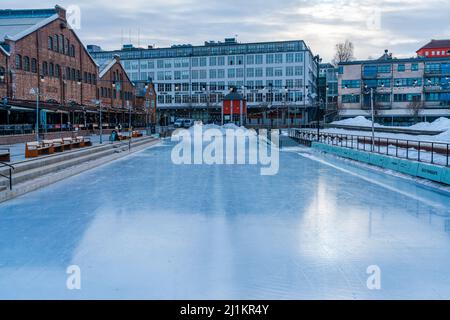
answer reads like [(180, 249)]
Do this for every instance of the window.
[(258, 59), (351, 84), (269, 72), (50, 43), (401, 68), (278, 58), (408, 82), (250, 59), (56, 43), (26, 63), (34, 65), (258, 72), (231, 73), (269, 59), (51, 69), (58, 71), (61, 44), (2, 74), (18, 62), (385, 68), (350, 98), (415, 67), (289, 57), (67, 48), (45, 68), (407, 97), (72, 51)]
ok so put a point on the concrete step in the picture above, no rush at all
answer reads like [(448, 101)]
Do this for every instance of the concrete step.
[(47, 167), (43, 180), (66, 155)]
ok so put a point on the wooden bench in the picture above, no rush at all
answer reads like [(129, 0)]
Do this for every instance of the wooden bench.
[(58, 144), (136, 134), (36, 149), (5, 155), (122, 137), (84, 142), (72, 142)]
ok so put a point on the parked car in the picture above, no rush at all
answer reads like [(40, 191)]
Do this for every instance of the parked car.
[(179, 123), (188, 123)]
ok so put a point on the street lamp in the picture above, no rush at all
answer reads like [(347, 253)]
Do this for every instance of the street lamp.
[(37, 93), (373, 115), (286, 92)]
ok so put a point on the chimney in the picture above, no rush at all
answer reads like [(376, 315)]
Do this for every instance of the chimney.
[(61, 12)]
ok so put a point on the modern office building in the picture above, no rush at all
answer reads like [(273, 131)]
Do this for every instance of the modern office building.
[(403, 89), (278, 79)]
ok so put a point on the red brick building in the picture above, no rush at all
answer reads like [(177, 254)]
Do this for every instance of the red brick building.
[(435, 49), (39, 52), (146, 100)]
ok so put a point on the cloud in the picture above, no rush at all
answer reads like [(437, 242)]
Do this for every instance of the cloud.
[(373, 25)]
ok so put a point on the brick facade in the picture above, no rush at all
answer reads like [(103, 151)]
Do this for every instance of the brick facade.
[(115, 88), (54, 60)]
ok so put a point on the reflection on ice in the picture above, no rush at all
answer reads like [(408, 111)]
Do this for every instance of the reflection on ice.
[(144, 228)]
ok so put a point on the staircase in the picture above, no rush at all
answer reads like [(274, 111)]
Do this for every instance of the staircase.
[(32, 174)]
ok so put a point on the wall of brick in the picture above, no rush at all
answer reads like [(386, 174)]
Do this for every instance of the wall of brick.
[(59, 88), (106, 82)]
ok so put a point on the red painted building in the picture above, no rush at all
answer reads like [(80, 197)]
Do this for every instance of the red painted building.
[(435, 49), (233, 103)]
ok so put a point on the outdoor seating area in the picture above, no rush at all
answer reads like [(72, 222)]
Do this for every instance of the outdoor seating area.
[(46, 147), (5, 155), (136, 134)]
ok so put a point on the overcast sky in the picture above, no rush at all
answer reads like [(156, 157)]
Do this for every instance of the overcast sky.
[(401, 26)]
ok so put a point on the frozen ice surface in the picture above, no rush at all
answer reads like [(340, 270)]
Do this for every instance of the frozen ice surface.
[(142, 227)]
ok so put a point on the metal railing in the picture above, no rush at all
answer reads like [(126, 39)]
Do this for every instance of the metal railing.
[(422, 151), (7, 176)]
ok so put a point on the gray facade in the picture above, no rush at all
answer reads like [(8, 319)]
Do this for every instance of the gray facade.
[(196, 78), (401, 87)]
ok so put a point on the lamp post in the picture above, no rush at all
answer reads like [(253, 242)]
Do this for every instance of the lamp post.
[(37, 93), (98, 103), (286, 93), (373, 116)]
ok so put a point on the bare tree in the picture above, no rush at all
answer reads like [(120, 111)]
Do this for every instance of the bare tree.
[(344, 52), (415, 107)]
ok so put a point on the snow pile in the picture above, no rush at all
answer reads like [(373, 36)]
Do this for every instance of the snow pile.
[(358, 121), (437, 125), (238, 131), (440, 124), (444, 136)]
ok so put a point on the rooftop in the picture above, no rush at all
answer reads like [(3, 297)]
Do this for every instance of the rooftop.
[(15, 24), (436, 44)]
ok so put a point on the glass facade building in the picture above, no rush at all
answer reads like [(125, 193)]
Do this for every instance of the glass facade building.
[(196, 78)]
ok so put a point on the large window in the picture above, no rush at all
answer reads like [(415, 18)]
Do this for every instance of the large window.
[(50, 43), (350, 98), (351, 84), (18, 62), (26, 63)]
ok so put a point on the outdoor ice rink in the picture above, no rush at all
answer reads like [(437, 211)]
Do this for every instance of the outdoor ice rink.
[(144, 228)]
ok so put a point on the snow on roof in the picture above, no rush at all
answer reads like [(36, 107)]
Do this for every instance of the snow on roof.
[(106, 66), (16, 24)]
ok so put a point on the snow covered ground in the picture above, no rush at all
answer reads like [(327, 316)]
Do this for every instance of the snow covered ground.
[(142, 227), (441, 124)]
